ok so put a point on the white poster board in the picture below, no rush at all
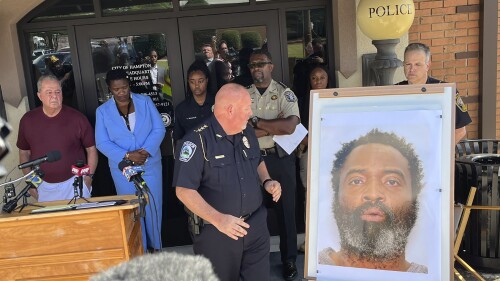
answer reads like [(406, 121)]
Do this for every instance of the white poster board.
[(422, 117)]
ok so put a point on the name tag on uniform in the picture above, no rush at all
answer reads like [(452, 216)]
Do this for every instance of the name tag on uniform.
[(219, 156)]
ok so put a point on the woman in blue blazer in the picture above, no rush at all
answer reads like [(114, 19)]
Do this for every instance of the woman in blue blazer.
[(129, 127)]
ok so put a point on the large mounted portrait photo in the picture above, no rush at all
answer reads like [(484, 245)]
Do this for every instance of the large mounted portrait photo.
[(378, 201)]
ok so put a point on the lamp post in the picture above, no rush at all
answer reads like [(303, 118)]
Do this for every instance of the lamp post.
[(385, 21)]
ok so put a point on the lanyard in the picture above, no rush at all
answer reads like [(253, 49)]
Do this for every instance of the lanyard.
[(125, 116)]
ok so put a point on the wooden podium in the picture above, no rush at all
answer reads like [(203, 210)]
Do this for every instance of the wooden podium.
[(68, 245)]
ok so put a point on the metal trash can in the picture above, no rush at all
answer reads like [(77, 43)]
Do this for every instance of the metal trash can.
[(477, 164)]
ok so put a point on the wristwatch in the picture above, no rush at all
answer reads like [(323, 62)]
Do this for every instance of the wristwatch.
[(254, 120)]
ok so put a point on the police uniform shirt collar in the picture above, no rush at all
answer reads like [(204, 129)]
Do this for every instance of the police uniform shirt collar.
[(219, 132), (208, 100), (271, 89)]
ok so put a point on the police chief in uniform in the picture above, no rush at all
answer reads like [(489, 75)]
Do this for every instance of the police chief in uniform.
[(416, 68), (218, 176), (276, 112)]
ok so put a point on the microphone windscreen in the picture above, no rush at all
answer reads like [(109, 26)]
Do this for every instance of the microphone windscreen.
[(161, 266), (53, 156), (123, 164)]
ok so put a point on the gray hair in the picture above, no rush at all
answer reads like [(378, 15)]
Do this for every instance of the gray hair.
[(419, 47), (44, 78)]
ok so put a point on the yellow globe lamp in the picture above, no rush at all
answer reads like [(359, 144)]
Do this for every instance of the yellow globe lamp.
[(385, 19)]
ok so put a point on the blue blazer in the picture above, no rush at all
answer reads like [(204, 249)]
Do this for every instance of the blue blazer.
[(114, 140)]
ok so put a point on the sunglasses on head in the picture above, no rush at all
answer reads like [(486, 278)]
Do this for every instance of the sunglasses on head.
[(258, 64)]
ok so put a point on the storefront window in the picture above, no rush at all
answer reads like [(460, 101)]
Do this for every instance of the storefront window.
[(66, 9), (200, 3), (115, 7)]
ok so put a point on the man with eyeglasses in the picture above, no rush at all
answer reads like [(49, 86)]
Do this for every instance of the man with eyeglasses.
[(276, 112), (416, 67)]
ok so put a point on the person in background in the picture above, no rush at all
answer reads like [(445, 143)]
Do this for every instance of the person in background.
[(129, 127), (220, 176), (318, 79), (54, 126), (223, 73), (276, 112), (417, 63), (222, 50), (243, 75), (158, 73), (66, 78), (208, 53), (315, 55), (198, 104)]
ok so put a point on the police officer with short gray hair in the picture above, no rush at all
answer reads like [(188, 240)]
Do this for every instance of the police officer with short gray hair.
[(218, 176)]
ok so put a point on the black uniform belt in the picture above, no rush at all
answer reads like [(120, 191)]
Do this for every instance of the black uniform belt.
[(244, 217), (266, 151)]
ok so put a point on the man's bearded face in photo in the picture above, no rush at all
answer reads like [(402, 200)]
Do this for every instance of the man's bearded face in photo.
[(375, 207)]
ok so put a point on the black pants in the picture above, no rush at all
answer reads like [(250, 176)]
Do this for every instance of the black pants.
[(283, 170), (246, 258)]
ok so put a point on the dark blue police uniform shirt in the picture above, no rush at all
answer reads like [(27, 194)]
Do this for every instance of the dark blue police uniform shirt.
[(462, 117), (222, 168), (188, 114)]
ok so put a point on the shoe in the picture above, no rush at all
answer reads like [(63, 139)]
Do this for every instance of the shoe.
[(289, 270)]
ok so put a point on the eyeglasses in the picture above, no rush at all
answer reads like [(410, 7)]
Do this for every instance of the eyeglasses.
[(258, 64)]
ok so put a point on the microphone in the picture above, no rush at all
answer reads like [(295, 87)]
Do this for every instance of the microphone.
[(180, 267), (80, 170), (52, 156), (133, 173), (33, 181)]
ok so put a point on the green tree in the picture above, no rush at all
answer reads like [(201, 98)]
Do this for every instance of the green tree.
[(232, 37), (251, 39)]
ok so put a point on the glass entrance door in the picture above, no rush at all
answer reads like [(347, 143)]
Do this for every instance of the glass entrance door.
[(142, 49), (232, 38)]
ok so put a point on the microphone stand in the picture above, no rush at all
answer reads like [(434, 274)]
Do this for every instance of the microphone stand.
[(11, 205), (78, 184), (141, 199)]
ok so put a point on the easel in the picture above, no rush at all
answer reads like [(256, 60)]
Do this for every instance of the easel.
[(462, 225)]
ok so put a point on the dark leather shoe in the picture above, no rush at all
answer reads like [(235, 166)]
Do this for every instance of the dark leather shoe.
[(289, 270)]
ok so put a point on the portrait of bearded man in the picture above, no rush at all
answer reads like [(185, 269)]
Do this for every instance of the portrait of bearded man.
[(376, 180)]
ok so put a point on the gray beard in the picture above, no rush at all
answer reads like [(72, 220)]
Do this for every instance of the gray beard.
[(375, 241)]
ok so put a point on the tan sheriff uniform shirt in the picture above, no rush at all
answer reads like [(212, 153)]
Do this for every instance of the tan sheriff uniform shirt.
[(276, 99)]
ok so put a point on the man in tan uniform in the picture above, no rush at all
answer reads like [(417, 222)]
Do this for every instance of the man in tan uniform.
[(276, 112)]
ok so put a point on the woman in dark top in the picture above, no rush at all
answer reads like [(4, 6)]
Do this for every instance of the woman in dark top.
[(198, 104), (317, 79)]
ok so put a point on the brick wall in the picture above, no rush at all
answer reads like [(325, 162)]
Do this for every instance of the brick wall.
[(451, 29)]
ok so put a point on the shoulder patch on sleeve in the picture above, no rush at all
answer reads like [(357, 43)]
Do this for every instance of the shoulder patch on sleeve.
[(290, 96), (460, 103), (187, 151)]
